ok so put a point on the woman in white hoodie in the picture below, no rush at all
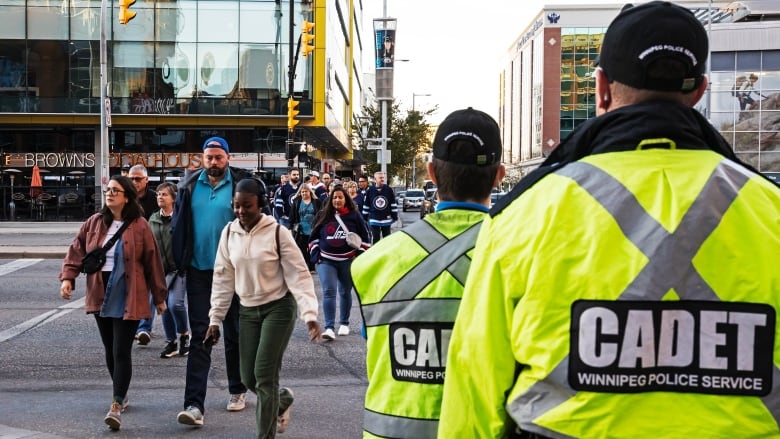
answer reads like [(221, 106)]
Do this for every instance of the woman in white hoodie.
[(261, 262)]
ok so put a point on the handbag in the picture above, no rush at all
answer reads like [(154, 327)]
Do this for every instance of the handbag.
[(93, 261), (353, 239)]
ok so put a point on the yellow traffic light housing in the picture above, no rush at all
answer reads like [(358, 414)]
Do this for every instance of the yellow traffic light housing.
[(125, 14), (307, 38), (292, 111)]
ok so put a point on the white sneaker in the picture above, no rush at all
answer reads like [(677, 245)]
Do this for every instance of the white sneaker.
[(237, 402), (343, 330), (328, 335), (191, 416)]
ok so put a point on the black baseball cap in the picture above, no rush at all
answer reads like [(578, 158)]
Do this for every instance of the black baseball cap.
[(468, 137), (643, 34)]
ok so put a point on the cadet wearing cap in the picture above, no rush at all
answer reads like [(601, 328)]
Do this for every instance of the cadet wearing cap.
[(409, 284), (628, 287)]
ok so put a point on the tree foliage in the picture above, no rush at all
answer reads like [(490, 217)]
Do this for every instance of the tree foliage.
[(408, 137)]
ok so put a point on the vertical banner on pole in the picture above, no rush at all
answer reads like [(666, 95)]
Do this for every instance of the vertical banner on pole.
[(385, 47)]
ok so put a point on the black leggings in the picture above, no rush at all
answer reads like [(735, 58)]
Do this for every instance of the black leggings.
[(118, 336), (380, 232)]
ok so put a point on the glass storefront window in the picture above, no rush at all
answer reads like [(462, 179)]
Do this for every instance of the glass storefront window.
[(233, 54), (46, 22), (216, 23), (85, 20)]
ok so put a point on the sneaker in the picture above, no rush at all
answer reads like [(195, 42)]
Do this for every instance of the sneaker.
[(143, 338), (190, 416), (184, 345), (114, 416), (283, 421), (328, 335), (125, 404), (237, 402), (343, 330), (171, 350)]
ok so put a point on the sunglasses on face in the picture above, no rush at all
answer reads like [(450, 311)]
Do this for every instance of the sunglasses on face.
[(137, 178), (113, 191)]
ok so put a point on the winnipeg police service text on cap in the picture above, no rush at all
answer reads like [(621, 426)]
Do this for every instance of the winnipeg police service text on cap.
[(469, 137), (642, 36)]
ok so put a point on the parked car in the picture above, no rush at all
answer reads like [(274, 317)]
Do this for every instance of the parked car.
[(413, 199), (429, 205), (495, 196), (399, 197)]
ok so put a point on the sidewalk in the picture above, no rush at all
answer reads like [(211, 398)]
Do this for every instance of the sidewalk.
[(38, 240)]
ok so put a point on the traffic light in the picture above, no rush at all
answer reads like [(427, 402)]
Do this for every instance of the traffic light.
[(307, 38), (125, 14), (292, 111)]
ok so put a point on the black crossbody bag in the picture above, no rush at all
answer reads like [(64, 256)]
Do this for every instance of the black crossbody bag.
[(93, 261)]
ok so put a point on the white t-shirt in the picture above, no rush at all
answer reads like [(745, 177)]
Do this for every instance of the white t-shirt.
[(112, 229)]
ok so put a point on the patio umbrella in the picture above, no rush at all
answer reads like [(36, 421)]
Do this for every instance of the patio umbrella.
[(36, 183)]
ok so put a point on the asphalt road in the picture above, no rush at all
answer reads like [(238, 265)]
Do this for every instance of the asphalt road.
[(53, 381)]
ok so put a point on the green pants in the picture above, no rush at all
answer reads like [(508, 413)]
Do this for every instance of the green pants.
[(264, 332)]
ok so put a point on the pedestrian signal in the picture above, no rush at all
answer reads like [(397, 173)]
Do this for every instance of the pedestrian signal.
[(125, 14), (307, 38)]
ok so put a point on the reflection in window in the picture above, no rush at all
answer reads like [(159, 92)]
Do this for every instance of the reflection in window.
[(746, 105)]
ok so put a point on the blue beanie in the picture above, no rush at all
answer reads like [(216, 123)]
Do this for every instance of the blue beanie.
[(216, 142)]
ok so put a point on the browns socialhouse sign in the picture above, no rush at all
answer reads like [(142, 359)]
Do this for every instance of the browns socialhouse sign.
[(115, 160)]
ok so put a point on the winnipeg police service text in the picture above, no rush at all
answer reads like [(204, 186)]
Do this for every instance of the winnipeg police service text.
[(722, 348)]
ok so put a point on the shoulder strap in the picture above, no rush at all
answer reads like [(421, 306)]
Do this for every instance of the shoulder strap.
[(341, 223), (116, 236), (278, 249)]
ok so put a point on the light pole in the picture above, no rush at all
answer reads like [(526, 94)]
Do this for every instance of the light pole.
[(414, 157)]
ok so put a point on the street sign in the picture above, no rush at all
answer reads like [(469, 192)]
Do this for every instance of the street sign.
[(387, 157), (374, 146)]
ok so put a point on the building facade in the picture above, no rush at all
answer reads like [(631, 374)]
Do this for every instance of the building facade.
[(178, 73), (547, 88)]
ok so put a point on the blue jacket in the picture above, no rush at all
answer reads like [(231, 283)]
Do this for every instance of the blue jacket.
[(329, 241), (282, 199), (380, 207)]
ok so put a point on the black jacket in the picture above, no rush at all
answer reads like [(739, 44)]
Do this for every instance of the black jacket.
[(621, 130)]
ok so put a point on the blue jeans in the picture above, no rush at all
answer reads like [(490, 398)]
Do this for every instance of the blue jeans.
[(145, 325), (174, 319), (335, 274), (265, 332), (199, 358)]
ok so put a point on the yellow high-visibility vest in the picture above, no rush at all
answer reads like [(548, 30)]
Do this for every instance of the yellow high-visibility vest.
[(409, 286), (626, 295)]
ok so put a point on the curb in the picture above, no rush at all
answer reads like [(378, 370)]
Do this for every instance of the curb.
[(31, 253)]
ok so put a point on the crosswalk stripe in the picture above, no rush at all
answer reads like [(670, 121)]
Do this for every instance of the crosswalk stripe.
[(41, 320), (17, 265)]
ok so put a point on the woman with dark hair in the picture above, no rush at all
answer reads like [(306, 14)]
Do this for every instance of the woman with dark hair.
[(333, 256), (259, 261), (304, 210), (118, 293)]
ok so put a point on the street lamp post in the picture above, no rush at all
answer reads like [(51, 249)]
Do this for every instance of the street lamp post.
[(414, 157)]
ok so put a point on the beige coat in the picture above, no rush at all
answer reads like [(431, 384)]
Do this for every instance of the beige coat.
[(250, 264)]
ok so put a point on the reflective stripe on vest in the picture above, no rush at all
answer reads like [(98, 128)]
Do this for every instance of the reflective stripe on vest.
[(398, 427), (670, 266), (443, 254)]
